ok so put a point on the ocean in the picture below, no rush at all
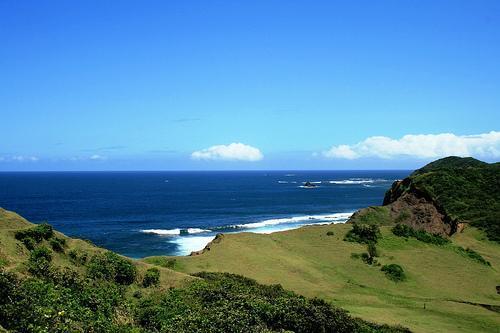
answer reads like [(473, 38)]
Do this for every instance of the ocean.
[(142, 214)]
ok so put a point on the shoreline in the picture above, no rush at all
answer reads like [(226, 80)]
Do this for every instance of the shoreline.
[(195, 242)]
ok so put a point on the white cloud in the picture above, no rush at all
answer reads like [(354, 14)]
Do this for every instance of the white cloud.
[(19, 158), (421, 146), (97, 157), (94, 157), (230, 152)]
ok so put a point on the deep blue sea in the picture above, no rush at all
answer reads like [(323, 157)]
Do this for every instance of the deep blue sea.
[(141, 214)]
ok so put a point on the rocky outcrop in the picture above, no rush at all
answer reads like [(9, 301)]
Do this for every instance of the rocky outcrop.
[(218, 238), (410, 206)]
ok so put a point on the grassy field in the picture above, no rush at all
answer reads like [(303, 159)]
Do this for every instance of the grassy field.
[(442, 292)]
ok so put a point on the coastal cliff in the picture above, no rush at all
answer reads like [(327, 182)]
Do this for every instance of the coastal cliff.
[(444, 196)]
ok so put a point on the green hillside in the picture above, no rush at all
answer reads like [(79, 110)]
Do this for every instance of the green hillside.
[(52, 283), (449, 284)]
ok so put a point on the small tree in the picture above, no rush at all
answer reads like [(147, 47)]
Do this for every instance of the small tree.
[(111, 267), (394, 272), (151, 278), (39, 261), (361, 233)]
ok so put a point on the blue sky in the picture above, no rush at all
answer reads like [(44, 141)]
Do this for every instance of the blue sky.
[(174, 85)]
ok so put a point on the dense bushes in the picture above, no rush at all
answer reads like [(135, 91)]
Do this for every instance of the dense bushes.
[(57, 244), (394, 272), (38, 233), (32, 236), (39, 261), (77, 258), (151, 277), (46, 305), (218, 302), (64, 301), (111, 267), (361, 233), (402, 230), (224, 302)]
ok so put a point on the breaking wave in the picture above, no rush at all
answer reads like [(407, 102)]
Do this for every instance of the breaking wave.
[(175, 232), (357, 181), (329, 218)]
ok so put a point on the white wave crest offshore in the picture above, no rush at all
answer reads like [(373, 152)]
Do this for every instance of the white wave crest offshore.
[(337, 217), (175, 232), (357, 181)]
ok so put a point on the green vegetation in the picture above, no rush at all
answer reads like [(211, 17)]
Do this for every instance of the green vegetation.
[(402, 230), (312, 264), (77, 257), (111, 267), (57, 244), (394, 272), (361, 233), (163, 261), (473, 255), (151, 278), (39, 261), (466, 189), (87, 289), (330, 233), (378, 215), (32, 236), (222, 302)]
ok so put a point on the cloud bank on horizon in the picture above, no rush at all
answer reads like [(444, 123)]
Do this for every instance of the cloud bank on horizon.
[(231, 152), (424, 146)]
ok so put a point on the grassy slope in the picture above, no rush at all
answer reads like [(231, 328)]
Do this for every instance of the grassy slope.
[(311, 263), (13, 252)]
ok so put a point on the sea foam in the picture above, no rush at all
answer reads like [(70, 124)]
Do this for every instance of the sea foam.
[(175, 232), (329, 218), (186, 245)]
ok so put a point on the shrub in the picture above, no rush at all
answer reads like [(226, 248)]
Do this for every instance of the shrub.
[(402, 230), (221, 302), (45, 305), (473, 255), (137, 294), (151, 277), (29, 243), (38, 233), (372, 250), (330, 233), (394, 272), (162, 261), (77, 258), (217, 302), (361, 233), (3, 262), (57, 244), (111, 267), (39, 261)]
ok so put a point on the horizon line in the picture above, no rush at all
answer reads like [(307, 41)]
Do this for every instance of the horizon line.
[(195, 170)]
